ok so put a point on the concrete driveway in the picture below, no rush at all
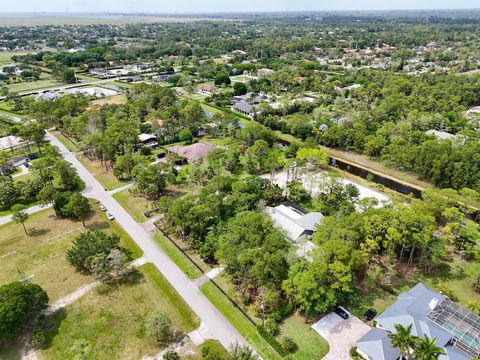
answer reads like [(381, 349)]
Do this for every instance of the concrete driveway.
[(340, 334)]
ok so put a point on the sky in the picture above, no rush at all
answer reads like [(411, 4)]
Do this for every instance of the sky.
[(205, 6)]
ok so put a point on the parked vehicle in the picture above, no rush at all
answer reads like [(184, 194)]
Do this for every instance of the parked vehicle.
[(341, 312), (103, 208), (110, 216), (369, 314)]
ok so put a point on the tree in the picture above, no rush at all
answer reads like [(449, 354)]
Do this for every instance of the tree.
[(68, 76), (151, 180), (19, 302), (20, 215), (159, 326), (222, 79), (239, 88), (47, 195), (89, 244), (33, 131), (427, 349), (403, 340), (9, 192), (186, 136), (239, 352), (78, 207)]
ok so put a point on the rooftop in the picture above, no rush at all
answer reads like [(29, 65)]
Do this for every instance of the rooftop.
[(192, 152)]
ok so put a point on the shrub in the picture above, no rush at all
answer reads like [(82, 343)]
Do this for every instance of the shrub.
[(288, 344), (171, 355), (272, 341)]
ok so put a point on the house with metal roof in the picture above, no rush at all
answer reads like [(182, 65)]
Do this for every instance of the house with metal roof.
[(431, 314), (294, 221)]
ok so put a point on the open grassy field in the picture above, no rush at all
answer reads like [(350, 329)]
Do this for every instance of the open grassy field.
[(6, 56), (110, 320), (33, 85), (135, 205), (106, 178), (42, 254), (310, 345)]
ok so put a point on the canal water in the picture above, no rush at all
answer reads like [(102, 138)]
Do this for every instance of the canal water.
[(387, 182)]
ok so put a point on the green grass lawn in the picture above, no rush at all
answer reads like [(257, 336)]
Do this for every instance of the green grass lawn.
[(42, 254), (177, 256), (33, 85), (106, 178), (239, 321), (70, 145), (111, 322), (6, 56), (135, 205), (310, 345)]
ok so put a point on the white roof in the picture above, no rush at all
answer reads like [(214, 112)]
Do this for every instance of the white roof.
[(442, 135), (146, 137), (10, 141), (293, 221)]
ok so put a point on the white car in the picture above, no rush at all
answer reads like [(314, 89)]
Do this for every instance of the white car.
[(103, 208), (110, 216)]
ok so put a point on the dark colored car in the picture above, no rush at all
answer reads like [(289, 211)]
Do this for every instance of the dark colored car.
[(341, 312), (369, 314)]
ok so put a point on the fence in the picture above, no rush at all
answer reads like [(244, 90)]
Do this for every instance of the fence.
[(203, 272)]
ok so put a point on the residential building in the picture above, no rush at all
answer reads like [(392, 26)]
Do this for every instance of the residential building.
[(298, 224), (192, 152), (431, 314), (245, 108), (148, 140), (48, 95), (207, 89)]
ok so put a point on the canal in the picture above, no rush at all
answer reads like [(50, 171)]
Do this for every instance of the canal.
[(366, 174)]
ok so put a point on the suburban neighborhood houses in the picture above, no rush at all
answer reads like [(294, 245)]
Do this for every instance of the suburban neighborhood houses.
[(239, 181)]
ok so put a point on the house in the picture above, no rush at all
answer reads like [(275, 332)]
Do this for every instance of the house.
[(441, 135), (48, 95), (245, 108), (264, 72), (296, 222), (148, 140), (192, 152), (431, 314), (207, 89), (132, 79)]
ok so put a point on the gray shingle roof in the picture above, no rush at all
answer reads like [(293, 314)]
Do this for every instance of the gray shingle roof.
[(376, 344)]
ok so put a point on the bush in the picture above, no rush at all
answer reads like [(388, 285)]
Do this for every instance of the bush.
[(445, 290), (38, 337), (271, 326), (159, 326), (186, 136), (272, 341), (288, 344), (171, 355)]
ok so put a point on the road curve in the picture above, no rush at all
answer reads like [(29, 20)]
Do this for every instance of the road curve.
[(218, 325)]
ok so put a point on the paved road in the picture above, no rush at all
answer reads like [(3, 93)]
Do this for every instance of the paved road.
[(221, 329), (31, 210)]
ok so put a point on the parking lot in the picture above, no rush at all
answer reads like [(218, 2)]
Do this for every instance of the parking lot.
[(341, 334)]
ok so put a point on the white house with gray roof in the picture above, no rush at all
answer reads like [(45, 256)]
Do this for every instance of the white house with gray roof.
[(296, 222), (431, 314)]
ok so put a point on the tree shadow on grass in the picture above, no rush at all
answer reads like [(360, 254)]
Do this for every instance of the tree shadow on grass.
[(98, 225), (34, 232), (52, 326)]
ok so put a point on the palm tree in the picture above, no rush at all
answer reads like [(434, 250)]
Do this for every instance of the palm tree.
[(403, 340), (427, 349)]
